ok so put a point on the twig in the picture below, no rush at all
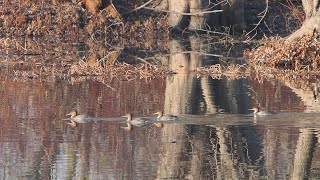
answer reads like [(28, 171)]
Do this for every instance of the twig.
[(143, 60), (212, 32), (140, 7), (186, 52), (262, 16), (186, 14)]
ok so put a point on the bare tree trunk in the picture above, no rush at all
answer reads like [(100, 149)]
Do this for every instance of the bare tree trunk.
[(311, 24)]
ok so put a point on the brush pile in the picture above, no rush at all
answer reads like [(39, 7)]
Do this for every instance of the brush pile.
[(302, 55)]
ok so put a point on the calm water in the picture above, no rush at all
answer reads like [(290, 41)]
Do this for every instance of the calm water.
[(215, 137)]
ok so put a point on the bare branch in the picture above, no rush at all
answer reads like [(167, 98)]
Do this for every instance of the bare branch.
[(140, 7), (261, 16), (187, 14)]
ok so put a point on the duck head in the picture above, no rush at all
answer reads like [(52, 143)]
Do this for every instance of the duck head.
[(128, 115), (255, 110), (72, 114), (159, 113)]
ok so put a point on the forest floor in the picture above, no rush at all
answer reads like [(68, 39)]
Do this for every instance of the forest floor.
[(65, 39)]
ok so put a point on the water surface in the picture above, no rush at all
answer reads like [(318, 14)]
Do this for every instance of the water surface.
[(215, 137)]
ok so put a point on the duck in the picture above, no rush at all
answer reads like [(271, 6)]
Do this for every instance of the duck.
[(136, 121), (162, 117), (75, 117), (257, 112)]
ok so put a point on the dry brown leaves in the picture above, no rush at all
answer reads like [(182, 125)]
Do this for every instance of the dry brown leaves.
[(301, 55)]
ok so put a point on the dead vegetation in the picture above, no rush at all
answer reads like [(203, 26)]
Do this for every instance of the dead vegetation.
[(75, 21), (276, 53), (217, 71), (122, 71), (77, 38), (87, 38)]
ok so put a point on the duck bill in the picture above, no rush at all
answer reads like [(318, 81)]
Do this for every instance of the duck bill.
[(68, 114)]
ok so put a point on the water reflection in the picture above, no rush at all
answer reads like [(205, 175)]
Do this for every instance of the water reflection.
[(214, 137), (35, 143)]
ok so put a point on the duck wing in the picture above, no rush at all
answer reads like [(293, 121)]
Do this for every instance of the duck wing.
[(140, 121), (168, 118)]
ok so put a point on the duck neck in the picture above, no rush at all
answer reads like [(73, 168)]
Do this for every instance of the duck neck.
[(160, 115)]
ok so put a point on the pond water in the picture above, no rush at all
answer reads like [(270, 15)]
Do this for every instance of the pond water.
[(215, 137)]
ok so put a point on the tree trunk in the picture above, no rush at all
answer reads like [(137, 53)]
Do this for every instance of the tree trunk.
[(311, 23)]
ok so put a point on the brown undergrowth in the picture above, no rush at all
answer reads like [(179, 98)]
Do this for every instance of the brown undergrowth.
[(276, 53), (69, 21), (295, 64), (122, 71), (67, 38)]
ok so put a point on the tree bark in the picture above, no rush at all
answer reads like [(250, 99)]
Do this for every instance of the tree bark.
[(311, 24)]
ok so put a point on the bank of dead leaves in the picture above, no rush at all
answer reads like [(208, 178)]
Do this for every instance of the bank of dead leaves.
[(296, 63), (276, 53), (76, 21)]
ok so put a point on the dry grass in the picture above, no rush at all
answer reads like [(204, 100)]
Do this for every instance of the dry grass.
[(121, 70)]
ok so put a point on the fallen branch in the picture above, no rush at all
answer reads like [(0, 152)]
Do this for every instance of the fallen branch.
[(186, 52), (186, 14)]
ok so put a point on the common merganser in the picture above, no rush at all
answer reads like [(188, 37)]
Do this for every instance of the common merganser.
[(79, 118), (136, 121), (257, 112), (162, 117)]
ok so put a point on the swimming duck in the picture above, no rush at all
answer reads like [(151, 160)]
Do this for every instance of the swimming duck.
[(161, 117), (257, 112), (136, 121), (79, 118)]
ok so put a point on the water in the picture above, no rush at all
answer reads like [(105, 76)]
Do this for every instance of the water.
[(216, 137)]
